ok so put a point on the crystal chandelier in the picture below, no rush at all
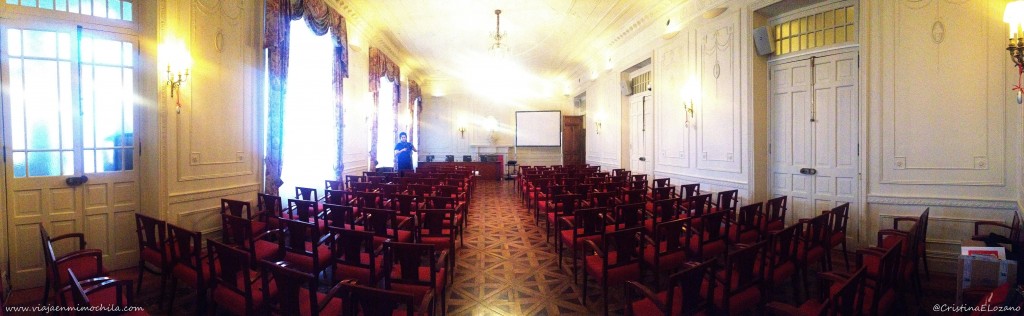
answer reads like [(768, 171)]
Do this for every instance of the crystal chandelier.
[(498, 49)]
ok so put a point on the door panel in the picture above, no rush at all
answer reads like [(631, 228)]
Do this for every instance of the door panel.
[(791, 136), (641, 133), (574, 141)]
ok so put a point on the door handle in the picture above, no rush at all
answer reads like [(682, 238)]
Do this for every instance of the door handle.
[(643, 158), (808, 171), (76, 181)]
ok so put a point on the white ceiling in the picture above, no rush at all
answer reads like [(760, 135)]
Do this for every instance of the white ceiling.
[(449, 40)]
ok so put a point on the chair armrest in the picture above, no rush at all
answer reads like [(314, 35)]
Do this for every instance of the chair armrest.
[(80, 236), (380, 249), (882, 233), (276, 232), (779, 308), (632, 288), (562, 220), (593, 246), (833, 276), (442, 258), (405, 224), (82, 253), (979, 224), (425, 304)]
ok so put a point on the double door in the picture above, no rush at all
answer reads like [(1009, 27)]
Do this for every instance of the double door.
[(641, 133), (814, 152), (69, 142)]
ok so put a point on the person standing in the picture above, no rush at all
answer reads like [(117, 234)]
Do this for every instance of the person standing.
[(403, 153)]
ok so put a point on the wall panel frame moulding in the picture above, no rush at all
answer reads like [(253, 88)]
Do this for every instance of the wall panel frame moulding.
[(672, 77), (214, 130), (932, 134), (720, 107)]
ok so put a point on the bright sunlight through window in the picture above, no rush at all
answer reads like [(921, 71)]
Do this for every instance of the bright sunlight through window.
[(386, 125), (308, 151)]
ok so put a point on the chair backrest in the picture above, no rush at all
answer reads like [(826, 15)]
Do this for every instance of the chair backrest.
[(583, 189), (888, 274), (334, 185), (289, 283), (602, 199), (80, 295), (442, 202), (844, 300), (49, 255), (634, 195), (671, 234), (566, 203), (666, 209), (269, 203), (629, 215), (727, 200), (308, 194), (590, 220), (741, 266), (237, 231), (296, 236), (349, 245), (339, 215), (305, 210), (236, 208), (638, 177), (152, 234), (782, 245), (627, 246), (661, 193), (231, 269), (775, 209), (714, 227), (663, 182), (817, 232), (638, 184), (369, 301), (359, 186), (187, 248), (838, 218), (432, 222), (339, 197), (379, 221), (698, 205), (693, 300), (404, 204), (689, 190), (409, 258), (749, 216), (619, 172), (350, 179)]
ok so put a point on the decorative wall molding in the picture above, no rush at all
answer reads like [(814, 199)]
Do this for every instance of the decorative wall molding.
[(720, 105), (948, 202), (704, 179), (176, 198)]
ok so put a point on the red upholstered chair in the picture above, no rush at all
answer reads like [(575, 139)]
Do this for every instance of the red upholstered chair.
[(745, 224), (242, 209), (405, 204), (543, 202), (813, 246), (842, 302), (666, 192), (774, 214), (620, 172), (697, 206), (368, 199), (339, 216), (738, 286), (913, 240), (296, 292), (781, 258), (838, 217), (97, 292), (436, 228), (154, 249), (603, 199), (585, 224), (557, 206), (882, 275), (689, 190), (356, 257), (726, 201), (189, 265), (349, 179), (444, 202), (86, 263), (339, 197), (631, 195), (618, 259), (708, 240), (238, 235), (683, 297), (365, 300), (305, 246), (236, 286), (384, 224), (638, 177), (416, 269), (667, 252)]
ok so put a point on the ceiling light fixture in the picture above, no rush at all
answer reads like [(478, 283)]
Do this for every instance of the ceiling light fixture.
[(498, 49)]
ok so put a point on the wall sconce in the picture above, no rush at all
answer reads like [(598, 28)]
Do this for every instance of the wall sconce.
[(462, 132), (687, 112), (175, 83), (1014, 16), (173, 53), (597, 124)]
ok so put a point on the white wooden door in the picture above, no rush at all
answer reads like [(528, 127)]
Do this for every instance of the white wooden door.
[(814, 130), (68, 109), (641, 133)]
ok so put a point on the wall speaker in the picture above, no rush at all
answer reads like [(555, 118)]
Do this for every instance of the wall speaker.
[(626, 89), (763, 41)]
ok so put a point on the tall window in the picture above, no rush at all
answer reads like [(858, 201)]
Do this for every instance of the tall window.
[(111, 9), (308, 150), (386, 124)]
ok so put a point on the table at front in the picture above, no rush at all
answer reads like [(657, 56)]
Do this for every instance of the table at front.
[(488, 170)]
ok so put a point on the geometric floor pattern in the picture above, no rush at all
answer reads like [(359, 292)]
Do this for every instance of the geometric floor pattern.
[(506, 266)]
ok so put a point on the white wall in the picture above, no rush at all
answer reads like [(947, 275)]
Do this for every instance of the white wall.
[(932, 135), (443, 115)]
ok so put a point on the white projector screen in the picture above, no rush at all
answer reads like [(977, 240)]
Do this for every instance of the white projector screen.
[(539, 128)]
